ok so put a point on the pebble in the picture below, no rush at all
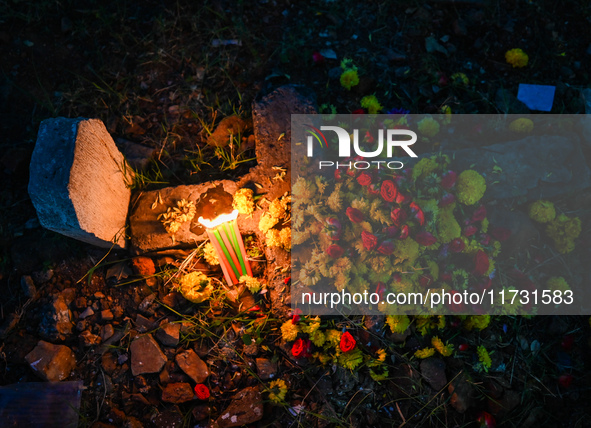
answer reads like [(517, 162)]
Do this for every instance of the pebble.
[(190, 363), (51, 362), (146, 356)]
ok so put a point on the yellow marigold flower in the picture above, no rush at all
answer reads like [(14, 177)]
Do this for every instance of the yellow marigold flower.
[(322, 358), (195, 287), (350, 360), (267, 222), (371, 103), (285, 238), (243, 201), (317, 338), (479, 322), (483, 357), (381, 353), (277, 391), (428, 126), (484, 225), (423, 168), (445, 350), (314, 324), (398, 323), (335, 200), (470, 187), (273, 238), (517, 58), (303, 190), (349, 78), (564, 230), (251, 283), (557, 283), (522, 125), (210, 255), (289, 331), (460, 78), (425, 353), (441, 322), (333, 338), (447, 226), (277, 209)]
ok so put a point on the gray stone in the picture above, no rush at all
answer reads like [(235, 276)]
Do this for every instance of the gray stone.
[(168, 334), (28, 286), (107, 331), (433, 370), (462, 393), (56, 323), (146, 356), (193, 366), (78, 181), (88, 312), (246, 408), (51, 362), (137, 156), (266, 368)]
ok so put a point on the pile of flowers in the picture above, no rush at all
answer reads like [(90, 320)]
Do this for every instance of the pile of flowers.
[(563, 230), (378, 230)]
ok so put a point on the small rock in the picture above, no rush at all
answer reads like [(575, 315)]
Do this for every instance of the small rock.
[(107, 331), (189, 362), (177, 393), (107, 315), (88, 312), (109, 362), (201, 412), (433, 370), (137, 156), (266, 368), (43, 276), (80, 303), (56, 323), (173, 300), (231, 126), (169, 418), (89, 339), (462, 393), (52, 362), (146, 305), (28, 286), (99, 295), (143, 266), (168, 334), (69, 294), (246, 408), (81, 325), (143, 324), (146, 356)]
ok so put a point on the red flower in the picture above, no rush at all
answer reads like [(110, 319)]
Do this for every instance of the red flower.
[(425, 238), (463, 347), (567, 342), (369, 138), (334, 223), (358, 111), (425, 280), (565, 380), (404, 232), (401, 198), (486, 420), (364, 179), (479, 214), (500, 233), (481, 263), (447, 199), (301, 348), (448, 180), (392, 231), (347, 342), (369, 240), (386, 248), (457, 245), (338, 175), (398, 216), (201, 391), (354, 215), (335, 251), (287, 280), (389, 190), (381, 289), (470, 230), (317, 58), (445, 277), (418, 212), (374, 189), (485, 239)]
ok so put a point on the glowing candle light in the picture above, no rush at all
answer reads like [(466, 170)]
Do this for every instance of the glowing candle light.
[(227, 241)]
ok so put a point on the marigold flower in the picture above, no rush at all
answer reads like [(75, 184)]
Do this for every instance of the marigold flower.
[(445, 350), (243, 201), (289, 331), (253, 284), (277, 391), (522, 125), (428, 126), (210, 255), (195, 287), (425, 353), (470, 187), (349, 78), (371, 103), (542, 211), (398, 323), (484, 357), (517, 58)]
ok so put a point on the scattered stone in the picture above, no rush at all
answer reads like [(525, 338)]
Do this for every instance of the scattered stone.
[(146, 305), (143, 324), (28, 286), (246, 408), (69, 294), (143, 266), (174, 300), (107, 331), (88, 312), (77, 181), (89, 339), (433, 370), (51, 362), (177, 393), (168, 334), (56, 323), (201, 411), (80, 303), (146, 356), (99, 295), (461, 392), (190, 363), (169, 418), (266, 368), (81, 325), (107, 315), (251, 350), (109, 362)]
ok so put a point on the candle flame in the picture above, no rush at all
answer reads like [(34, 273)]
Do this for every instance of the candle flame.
[(211, 224)]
